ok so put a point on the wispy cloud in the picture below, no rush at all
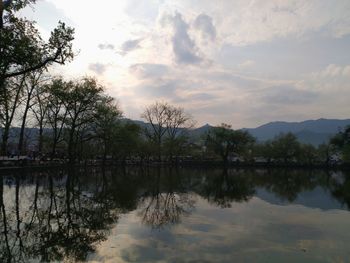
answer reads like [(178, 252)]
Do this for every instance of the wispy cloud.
[(98, 68), (106, 46), (129, 46)]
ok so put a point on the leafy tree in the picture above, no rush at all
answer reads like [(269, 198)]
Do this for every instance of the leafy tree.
[(286, 147), (308, 154), (324, 153), (23, 51), (224, 141), (80, 100), (264, 150), (21, 46), (341, 142), (106, 123), (127, 140)]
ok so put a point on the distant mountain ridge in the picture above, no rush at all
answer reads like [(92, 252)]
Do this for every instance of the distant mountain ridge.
[(310, 131), (314, 132)]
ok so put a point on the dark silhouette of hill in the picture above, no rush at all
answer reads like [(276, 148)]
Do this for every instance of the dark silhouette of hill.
[(310, 131)]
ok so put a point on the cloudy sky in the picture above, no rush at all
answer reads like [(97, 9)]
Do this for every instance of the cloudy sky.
[(236, 61)]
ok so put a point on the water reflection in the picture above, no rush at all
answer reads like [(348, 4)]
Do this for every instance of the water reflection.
[(63, 215), (164, 204)]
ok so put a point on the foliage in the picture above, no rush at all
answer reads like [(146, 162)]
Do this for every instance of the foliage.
[(286, 147), (224, 141), (341, 142), (127, 140), (22, 48), (106, 122)]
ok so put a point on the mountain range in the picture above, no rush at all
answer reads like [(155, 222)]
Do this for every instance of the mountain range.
[(311, 131)]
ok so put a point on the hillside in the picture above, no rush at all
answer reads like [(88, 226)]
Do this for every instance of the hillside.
[(310, 131)]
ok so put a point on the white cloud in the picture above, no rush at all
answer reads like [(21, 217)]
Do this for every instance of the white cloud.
[(334, 71), (246, 64), (248, 22)]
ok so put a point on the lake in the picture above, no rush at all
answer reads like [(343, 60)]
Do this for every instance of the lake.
[(175, 215)]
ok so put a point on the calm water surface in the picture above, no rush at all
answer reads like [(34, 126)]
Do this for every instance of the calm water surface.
[(175, 215)]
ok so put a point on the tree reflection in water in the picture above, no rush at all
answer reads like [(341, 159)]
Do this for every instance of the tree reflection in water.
[(62, 215), (227, 186), (56, 220), (165, 203)]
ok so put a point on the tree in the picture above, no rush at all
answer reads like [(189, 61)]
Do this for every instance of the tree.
[(10, 99), (21, 48), (22, 51), (168, 126), (308, 154), (56, 110), (324, 153), (341, 142), (80, 100), (31, 85), (39, 109), (286, 147), (156, 115), (127, 140), (264, 150), (177, 123), (224, 141), (106, 123)]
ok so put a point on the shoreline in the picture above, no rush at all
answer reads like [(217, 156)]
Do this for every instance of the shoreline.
[(192, 164)]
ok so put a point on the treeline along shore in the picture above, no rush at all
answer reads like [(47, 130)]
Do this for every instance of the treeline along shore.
[(77, 123)]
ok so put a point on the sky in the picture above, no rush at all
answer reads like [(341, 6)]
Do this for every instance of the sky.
[(241, 62)]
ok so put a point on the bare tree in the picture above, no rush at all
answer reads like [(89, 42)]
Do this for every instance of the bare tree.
[(156, 115), (177, 124), (106, 121)]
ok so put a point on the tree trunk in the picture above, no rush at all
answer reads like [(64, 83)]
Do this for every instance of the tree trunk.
[(104, 153), (21, 135), (5, 137), (40, 139), (1, 14), (159, 149), (71, 156)]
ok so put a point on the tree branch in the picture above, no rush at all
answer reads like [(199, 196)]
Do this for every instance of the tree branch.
[(38, 66)]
